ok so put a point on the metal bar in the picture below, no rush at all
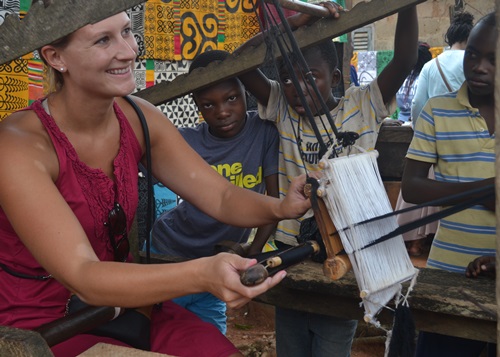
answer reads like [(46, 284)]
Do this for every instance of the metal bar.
[(304, 7)]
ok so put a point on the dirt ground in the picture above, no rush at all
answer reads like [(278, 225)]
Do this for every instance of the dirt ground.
[(251, 329)]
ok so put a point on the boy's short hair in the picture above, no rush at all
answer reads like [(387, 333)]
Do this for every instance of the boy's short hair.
[(327, 51), (205, 58)]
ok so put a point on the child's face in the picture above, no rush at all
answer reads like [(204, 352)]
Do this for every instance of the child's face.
[(223, 107), (479, 60), (324, 78)]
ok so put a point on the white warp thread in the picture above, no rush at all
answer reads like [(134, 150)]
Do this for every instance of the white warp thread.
[(353, 192)]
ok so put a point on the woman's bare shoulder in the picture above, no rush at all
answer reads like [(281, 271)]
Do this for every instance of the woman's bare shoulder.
[(24, 132), (22, 125)]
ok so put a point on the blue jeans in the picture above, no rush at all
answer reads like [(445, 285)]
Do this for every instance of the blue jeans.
[(436, 345), (303, 334), (207, 307)]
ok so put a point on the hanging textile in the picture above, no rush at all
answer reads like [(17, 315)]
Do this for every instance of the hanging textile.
[(136, 15), (35, 79), (17, 87), (179, 30), (14, 88)]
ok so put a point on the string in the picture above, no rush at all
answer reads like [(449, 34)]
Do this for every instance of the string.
[(430, 218), (355, 193), (484, 194)]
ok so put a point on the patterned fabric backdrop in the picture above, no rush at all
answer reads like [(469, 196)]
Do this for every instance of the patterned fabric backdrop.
[(169, 33), (21, 79), (181, 29)]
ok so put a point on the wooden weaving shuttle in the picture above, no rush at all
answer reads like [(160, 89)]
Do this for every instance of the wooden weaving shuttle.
[(257, 273), (336, 264)]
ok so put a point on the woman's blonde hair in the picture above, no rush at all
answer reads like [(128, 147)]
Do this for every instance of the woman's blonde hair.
[(53, 79)]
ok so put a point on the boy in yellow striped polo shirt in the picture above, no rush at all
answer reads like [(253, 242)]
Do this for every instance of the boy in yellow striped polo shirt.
[(455, 134)]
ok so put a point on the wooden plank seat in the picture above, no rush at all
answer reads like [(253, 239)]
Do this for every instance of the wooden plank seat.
[(22, 343), (16, 342)]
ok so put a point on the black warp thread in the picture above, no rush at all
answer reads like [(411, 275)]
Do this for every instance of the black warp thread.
[(403, 333)]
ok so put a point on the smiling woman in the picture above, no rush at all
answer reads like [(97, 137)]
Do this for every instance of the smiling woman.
[(77, 152), (92, 47)]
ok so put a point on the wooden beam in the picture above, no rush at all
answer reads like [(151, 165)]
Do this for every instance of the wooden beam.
[(497, 162), (43, 25), (359, 16)]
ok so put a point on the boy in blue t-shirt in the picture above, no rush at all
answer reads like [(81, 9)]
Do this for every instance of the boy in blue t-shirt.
[(239, 146)]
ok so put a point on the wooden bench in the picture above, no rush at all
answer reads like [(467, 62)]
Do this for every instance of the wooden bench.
[(441, 302)]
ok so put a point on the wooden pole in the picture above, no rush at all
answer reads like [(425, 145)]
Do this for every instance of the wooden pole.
[(497, 162), (81, 321), (360, 15), (43, 25)]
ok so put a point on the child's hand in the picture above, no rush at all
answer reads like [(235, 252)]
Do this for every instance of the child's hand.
[(334, 8), (484, 265), (302, 19), (392, 122)]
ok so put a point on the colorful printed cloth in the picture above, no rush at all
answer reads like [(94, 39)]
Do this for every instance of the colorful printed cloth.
[(14, 86), (179, 30)]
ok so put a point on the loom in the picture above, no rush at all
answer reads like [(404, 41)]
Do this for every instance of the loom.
[(352, 192)]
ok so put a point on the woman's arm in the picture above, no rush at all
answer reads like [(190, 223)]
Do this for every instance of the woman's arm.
[(51, 232)]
